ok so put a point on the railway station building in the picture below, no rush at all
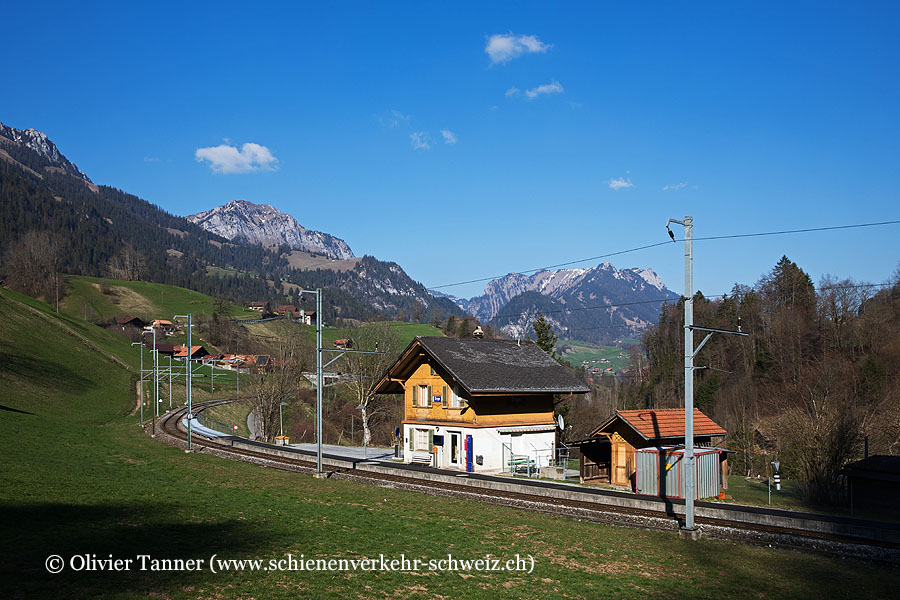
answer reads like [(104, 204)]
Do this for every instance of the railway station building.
[(477, 405)]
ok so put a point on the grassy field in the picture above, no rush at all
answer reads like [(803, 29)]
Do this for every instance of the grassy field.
[(576, 352), (756, 492), (79, 477), (280, 328), (139, 298)]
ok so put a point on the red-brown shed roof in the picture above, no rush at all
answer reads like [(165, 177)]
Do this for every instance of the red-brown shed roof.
[(665, 423)]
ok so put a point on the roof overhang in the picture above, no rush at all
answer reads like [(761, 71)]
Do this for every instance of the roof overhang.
[(527, 428)]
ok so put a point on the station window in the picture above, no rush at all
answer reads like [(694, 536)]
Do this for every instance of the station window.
[(420, 440)]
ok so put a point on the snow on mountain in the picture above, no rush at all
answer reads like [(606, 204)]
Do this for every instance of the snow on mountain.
[(558, 285), (572, 300), (265, 225), (39, 142)]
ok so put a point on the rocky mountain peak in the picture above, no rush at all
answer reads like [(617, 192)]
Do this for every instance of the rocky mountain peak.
[(38, 142), (265, 225)]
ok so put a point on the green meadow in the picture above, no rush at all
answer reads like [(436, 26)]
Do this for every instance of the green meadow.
[(79, 477)]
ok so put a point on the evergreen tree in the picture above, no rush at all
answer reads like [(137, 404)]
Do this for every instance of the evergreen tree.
[(546, 339)]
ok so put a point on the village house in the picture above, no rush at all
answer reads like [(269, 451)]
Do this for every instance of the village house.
[(288, 310), (608, 454), (128, 325), (197, 352), (477, 404), (164, 327), (257, 306)]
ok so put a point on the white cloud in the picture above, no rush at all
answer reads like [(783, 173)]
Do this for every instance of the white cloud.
[(553, 87), (397, 117), (420, 140), (449, 136), (227, 159), (513, 91), (151, 159), (620, 183), (673, 187), (503, 48)]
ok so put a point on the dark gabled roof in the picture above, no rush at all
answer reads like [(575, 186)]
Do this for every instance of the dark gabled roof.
[(482, 366), (877, 466), (138, 322), (663, 423)]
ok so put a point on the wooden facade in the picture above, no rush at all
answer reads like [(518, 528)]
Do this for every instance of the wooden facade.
[(435, 399), (607, 456), (477, 404)]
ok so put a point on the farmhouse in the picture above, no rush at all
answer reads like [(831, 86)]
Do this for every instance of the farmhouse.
[(163, 326), (607, 456), (128, 324), (197, 352), (289, 310), (476, 404)]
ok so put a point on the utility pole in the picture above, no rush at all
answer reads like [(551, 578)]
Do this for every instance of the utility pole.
[(155, 380), (690, 529), (319, 381), (320, 372), (140, 346), (187, 361), (318, 293), (689, 483)]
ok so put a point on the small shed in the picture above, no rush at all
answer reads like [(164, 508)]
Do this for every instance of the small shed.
[(660, 472), (607, 456), (874, 484)]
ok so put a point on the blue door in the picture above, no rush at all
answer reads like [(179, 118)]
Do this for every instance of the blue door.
[(470, 455)]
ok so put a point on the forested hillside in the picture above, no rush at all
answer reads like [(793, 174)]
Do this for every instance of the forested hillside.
[(815, 379), (55, 220)]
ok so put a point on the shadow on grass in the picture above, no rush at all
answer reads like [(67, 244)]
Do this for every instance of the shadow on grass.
[(47, 374), (15, 410), (788, 574), (33, 532)]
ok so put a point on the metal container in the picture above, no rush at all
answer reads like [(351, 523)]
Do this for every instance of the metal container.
[(660, 471)]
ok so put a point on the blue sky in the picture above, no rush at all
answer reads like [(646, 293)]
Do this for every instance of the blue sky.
[(751, 118)]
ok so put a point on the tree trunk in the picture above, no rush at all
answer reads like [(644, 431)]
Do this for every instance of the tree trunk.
[(367, 434)]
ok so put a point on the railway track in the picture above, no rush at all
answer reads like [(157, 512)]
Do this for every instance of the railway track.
[(655, 513)]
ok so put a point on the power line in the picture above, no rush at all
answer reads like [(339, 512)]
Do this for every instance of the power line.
[(791, 231), (580, 308), (647, 246), (708, 297), (548, 267)]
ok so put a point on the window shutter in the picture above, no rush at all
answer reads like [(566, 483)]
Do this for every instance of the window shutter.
[(412, 435), (445, 400), (430, 439), (414, 389), (462, 401), (429, 396)]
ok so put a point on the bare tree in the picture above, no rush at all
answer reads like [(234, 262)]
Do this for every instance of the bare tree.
[(366, 369), (128, 264), (281, 383), (32, 265), (818, 428)]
